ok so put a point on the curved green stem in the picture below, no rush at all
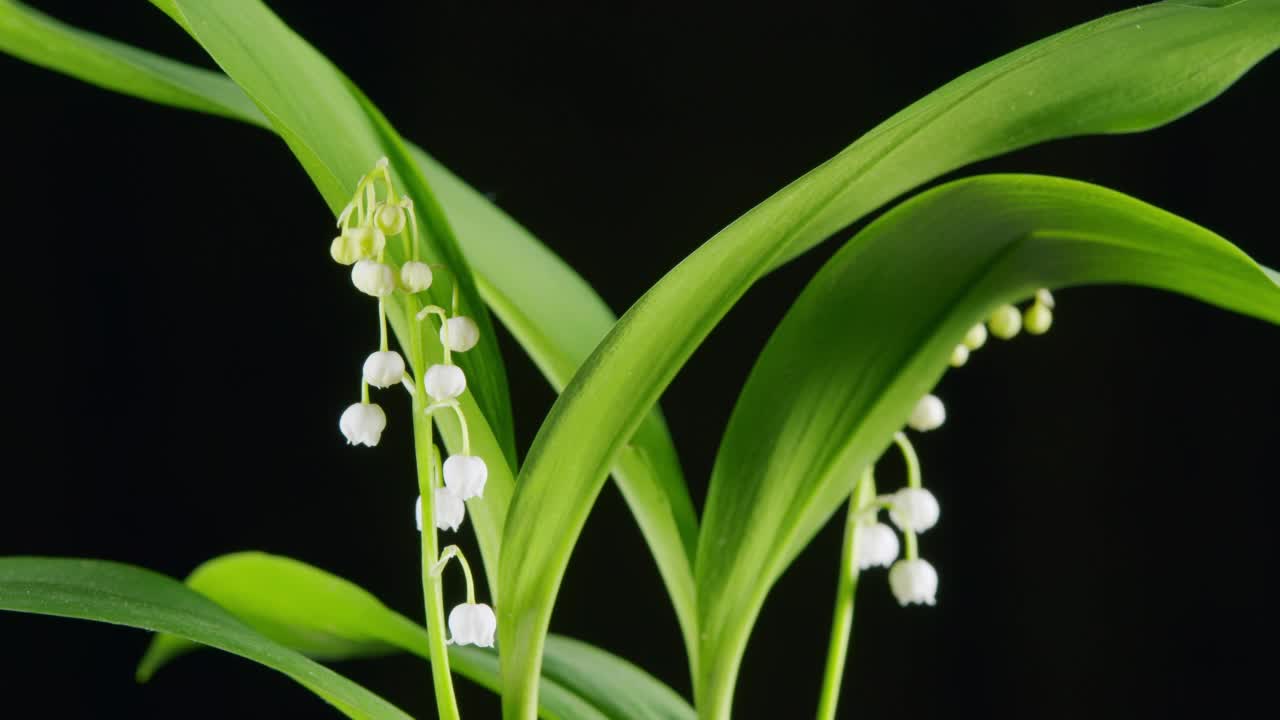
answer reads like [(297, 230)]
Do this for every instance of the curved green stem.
[(842, 620), (428, 460)]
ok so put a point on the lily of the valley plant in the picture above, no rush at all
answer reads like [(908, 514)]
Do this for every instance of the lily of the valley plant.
[(432, 258)]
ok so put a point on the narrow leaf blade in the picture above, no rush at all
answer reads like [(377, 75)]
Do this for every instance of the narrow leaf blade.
[(124, 595), (1122, 73), (820, 405)]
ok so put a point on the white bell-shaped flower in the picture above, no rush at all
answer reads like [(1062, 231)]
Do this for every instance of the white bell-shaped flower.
[(913, 581), (384, 369), (447, 508), (876, 545), (466, 475), (373, 278), (472, 624), (914, 509), (463, 334), (976, 337), (1005, 322), (415, 276), (928, 414), (363, 423), (444, 382)]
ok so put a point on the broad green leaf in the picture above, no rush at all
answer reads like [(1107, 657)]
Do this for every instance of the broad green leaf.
[(820, 406), (124, 595), (325, 617), (1126, 72), (549, 309), (307, 102)]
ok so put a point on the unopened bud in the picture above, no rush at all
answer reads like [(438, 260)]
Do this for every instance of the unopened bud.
[(1005, 322)]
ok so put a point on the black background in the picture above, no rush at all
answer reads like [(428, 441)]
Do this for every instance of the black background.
[(182, 347)]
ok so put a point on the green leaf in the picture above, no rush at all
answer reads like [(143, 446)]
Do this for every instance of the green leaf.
[(307, 102), (820, 405), (1126, 72), (124, 595), (325, 617), (549, 309)]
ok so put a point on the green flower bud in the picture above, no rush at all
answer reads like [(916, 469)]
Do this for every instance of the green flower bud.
[(390, 219), (1038, 318), (959, 356), (976, 337), (344, 250), (1005, 322)]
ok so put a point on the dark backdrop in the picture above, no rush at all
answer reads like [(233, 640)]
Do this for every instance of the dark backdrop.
[(183, 347)]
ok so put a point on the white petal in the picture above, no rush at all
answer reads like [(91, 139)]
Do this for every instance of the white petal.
[(914, 509), (363, 423), (466, 475), (877, 545), (415, 276), (444, 382), (384, 369), (373, 278), (448, 509), (914, 581), (928, 414), (463, 334), (472, 624)]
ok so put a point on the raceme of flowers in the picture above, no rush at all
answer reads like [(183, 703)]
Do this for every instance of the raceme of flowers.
[(376, 212), (913, 509)]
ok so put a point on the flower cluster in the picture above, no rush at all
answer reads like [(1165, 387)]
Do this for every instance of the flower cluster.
[(376, 212), (913, 509)]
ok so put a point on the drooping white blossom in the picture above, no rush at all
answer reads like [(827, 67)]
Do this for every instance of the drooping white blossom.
[(444, 382), (415, 276), (928, 414), (373, 278), (913, 581), (1005, 322), (465, 475), (914, 509), (447, 508), (462, 334), (363, 423), (876, 545), (472, 624), (384, 368)]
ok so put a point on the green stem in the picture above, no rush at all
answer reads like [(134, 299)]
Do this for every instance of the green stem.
[(427, 463), (842, 620)]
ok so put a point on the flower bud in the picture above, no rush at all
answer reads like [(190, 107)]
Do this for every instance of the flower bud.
[(1005, 322), (362, 424), (1038, 318), (876, 544), (415, 276), (344, 250), (463, 333), (390, 219), (373, 278), (444, 382), (1045, 298), (913, 581), (928, 414), (959, 355), (466, 475), (976, 337), (914, 509), (384, 369), (447, 508), (472, 624)]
